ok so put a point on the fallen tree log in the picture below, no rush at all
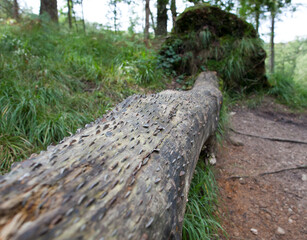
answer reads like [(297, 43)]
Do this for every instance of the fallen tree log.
[(126, 176)]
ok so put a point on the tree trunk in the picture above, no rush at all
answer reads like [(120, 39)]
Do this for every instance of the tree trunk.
[(15, 10), (174, 12), (49, 7), (147, 12), (126, 176), (153, 22), (257, 21), (257, 17), (83, 21), (272, 47), (162, 18), (115, 15), (69, 13)]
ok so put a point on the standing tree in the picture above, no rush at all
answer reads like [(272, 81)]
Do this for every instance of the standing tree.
[(83, 21), (15, 10), (147, 12), (9, 9), (50, 7), (254, 8), (274, 7), (116, 11), (69, 14), (113, 3), (162, 18), (153, 24), (174, 12)]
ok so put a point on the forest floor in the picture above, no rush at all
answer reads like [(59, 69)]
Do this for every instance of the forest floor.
[(263, 182)]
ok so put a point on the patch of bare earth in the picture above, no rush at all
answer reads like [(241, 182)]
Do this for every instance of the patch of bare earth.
[(263, 179)]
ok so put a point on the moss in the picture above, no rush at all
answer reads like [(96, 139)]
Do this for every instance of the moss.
[(208, 37)]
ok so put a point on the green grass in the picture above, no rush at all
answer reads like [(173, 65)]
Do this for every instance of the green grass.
[(287, 91), (53, 81), (201, 221), (223, 123)]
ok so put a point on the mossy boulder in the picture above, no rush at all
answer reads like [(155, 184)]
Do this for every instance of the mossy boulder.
[(208, 38)]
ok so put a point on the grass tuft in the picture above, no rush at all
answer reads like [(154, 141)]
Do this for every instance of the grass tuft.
[(53, 81), (201, 221), (287, 91)]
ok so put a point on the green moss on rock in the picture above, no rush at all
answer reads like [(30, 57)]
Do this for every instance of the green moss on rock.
[(207, 37)]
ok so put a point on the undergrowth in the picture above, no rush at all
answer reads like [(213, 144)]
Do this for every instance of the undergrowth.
[(201, 221), (287, 91), (223, 122), (53, 81)]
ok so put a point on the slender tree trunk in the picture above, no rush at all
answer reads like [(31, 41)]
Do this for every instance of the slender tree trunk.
[(83, 22), (272, 45), (153, 22), (51, 8), (257, 17), (16, 10), (174, 12), (257, 21), (115, 15), (147, 12), (162, 18), (69, 13)]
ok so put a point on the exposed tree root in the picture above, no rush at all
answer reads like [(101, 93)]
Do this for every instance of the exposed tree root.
[(269, 173), (270, 138)]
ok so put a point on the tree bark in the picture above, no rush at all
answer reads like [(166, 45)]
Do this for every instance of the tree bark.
[(50, 7), (153, 22), (147, 12), (15, 10), (257, 17), (69, 13), (272, 45), (126, 176), (174, 12), (83, 21), (162, 18)]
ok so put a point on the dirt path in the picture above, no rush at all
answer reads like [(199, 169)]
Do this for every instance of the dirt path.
[(263, 195)]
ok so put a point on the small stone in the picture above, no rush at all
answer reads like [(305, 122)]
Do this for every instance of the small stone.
[(235, 141), (290, 220), (212, 159), (254, 231), (304, 177), (280, 231)]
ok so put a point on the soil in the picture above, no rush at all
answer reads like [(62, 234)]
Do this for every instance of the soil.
[(263, 183)]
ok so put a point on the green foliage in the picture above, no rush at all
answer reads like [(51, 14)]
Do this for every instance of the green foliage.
[(205, 38), (224, 4), (231, 58), (227, 45), (223, 123), (53, 82), (6, 9), (289, 82), (288, 91), (291, 59), (200, 220), (300, 72)]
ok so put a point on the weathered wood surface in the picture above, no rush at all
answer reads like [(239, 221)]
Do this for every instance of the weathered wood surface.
[(126, 176)]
